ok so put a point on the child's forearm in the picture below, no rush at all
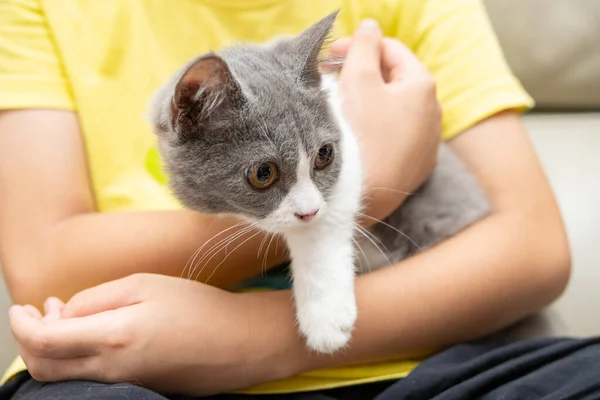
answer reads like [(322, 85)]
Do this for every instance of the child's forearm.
[(88, 249), (488, 277)]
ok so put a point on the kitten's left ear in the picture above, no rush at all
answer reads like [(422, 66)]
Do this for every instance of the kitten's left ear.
[(206, 87), (309, 45)]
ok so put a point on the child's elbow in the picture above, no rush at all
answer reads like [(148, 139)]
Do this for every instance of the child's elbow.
[(29, 273), (23, 280), (560, 273), (554, 262)]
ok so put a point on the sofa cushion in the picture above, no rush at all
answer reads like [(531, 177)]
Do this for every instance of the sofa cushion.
[(553, 47)]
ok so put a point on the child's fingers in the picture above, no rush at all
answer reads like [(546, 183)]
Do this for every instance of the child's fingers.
[(399, 62), (363, 59), (52, 308), (340, 47), (32, 311)]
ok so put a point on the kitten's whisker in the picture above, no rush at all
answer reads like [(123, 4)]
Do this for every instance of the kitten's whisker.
[(273, 235), (369, 236), (392, 190), (227, 238), (194, 263), (365, 231), (363, 254), (247, 227), (392, 228), (216, 248), (192, 259), (226, 242), (237, 247), (262, 243), (277, 244), (189, 262), (263, 267), (387, 259)]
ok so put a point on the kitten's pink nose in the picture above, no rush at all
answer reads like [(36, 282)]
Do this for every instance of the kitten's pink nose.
[(306, 217)]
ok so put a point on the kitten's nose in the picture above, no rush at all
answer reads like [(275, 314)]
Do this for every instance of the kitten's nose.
[(306, 217)]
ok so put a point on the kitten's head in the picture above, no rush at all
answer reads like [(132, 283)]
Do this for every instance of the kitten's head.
[(248, 131)]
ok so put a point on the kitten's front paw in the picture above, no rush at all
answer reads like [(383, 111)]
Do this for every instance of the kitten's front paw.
[(328, 324)]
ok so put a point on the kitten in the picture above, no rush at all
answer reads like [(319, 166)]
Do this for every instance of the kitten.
[(257, 131)]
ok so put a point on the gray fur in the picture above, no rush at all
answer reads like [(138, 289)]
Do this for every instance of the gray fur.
[(207, 140), (259, 105), (448, 202)]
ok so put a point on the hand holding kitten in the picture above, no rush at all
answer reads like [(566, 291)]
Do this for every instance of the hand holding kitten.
[(389, 99)]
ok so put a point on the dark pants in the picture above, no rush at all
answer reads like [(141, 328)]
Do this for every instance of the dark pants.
[(489, 369)]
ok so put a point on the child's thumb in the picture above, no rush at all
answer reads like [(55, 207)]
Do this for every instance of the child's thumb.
[(364, 53)]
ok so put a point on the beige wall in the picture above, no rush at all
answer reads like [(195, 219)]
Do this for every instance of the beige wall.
[(553, 46)]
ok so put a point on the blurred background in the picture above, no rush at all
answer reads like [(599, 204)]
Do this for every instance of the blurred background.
[(553, 46)]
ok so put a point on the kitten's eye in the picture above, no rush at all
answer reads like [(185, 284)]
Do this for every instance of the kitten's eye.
[(261, 176), (324, 157)]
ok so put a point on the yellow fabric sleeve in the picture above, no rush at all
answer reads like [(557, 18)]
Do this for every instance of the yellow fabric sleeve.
[(31, 74), (456, 42)]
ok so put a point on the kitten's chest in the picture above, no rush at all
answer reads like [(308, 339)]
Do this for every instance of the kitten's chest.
[(347, 193)]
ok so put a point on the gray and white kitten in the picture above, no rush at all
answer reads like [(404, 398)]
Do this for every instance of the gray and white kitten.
[(257, 131)]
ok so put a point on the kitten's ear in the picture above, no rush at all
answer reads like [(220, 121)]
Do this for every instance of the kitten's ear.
[(309, 45), (206, 87)]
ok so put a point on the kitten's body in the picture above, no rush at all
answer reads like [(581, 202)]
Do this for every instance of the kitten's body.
[(222, 116)]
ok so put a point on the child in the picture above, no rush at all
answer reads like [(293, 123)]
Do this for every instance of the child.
[(84, 201)]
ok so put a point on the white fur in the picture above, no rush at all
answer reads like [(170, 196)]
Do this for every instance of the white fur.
[(322, 250), (303, 198)]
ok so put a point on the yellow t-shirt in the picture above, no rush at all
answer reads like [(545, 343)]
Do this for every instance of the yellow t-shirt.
[(103, 59)]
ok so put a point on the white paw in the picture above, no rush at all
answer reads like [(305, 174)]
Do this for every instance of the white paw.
[(327, 324)]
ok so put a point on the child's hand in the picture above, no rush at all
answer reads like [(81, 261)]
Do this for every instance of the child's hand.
[(389, 98), (165, 333)]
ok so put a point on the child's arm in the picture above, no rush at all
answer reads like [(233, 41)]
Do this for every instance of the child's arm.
[(52, 242)]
